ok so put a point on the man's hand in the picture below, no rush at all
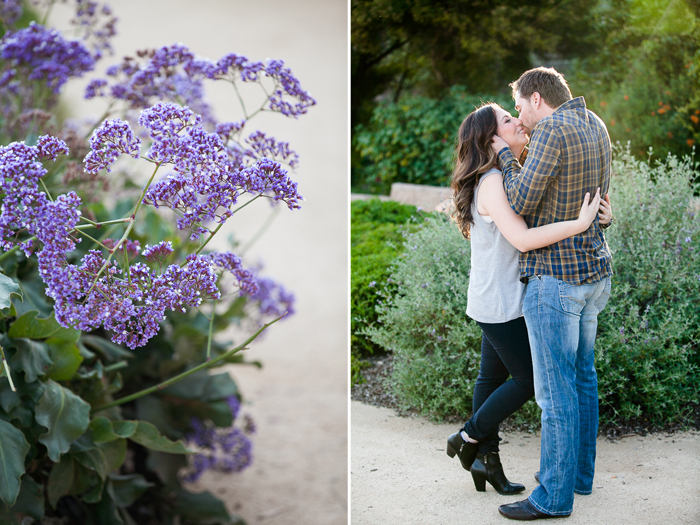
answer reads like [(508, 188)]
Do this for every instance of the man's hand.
[(497, 143)]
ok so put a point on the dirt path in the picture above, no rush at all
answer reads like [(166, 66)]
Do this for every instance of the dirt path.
[(299, 399), (400, 474)]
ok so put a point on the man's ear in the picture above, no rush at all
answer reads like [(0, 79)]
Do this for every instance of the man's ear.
[(536, 100)]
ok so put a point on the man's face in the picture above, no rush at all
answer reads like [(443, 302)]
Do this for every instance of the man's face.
[(526, 112)]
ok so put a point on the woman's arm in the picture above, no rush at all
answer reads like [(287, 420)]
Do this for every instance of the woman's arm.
[(492, 199)]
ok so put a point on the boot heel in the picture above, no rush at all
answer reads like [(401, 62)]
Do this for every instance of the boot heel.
[(479, 482), (450, 451)]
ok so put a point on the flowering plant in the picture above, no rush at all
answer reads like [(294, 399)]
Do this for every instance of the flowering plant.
[(72, 402)]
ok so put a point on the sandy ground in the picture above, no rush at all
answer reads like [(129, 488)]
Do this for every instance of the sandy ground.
[(299, 400), (400, 474)]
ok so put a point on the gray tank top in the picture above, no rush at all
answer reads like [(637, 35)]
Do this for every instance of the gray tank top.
[(495, 293)]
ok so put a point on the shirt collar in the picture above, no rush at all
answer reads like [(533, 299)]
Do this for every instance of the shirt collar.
[(574, 103)]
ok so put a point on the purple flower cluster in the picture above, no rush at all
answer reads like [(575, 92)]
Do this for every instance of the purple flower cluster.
[(273, 299), (99, 294), (264, 146), (287, 87), (26, 209), (207, 182), (246, 280), (227, 450), (152, 76), (173, 73), (159, 252), (111, 139), (10, 11), (43, 54), (95, 293), (96, 23)]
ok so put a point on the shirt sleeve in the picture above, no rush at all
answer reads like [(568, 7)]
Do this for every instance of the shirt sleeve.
[(525, 185)]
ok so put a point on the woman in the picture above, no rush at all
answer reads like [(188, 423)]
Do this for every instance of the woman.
[(495, 295)]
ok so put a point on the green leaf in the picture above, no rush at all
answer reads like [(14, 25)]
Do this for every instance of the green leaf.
[(166, 466), (61, 479), (148, 436), (32, 357), (124, 490), (8, 288), (203, 508), (103, 458), (65, 415), (8, 398), (204, 387), (13, 449), (34, 298), (66, 359), (87, 484), (107, 348), (28, 325), (31, 499), (104, 430)]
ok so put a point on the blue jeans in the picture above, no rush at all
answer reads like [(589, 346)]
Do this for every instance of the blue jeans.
[(562, 320)]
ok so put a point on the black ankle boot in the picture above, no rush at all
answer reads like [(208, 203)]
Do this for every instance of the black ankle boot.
[(487, 467), (465, 449)]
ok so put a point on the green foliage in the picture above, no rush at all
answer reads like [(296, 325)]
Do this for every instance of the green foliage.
[(644, 77), (55, 446), (647, 351), (412, 46), (375, 240), (413, 140), (422, 321)]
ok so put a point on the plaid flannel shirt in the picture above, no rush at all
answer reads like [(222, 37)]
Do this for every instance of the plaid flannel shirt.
[(569, 155)]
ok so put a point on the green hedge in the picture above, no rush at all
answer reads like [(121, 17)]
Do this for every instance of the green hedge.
[(413, 140), (376, 240), (647, 349)]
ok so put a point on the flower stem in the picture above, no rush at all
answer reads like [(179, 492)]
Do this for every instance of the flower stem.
[(9, 252), (175, 379), (211, 331), (46, 189), (131, 220), (7, 369), (240, 99)]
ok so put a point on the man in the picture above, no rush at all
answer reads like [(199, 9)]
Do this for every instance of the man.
[(568, 283)]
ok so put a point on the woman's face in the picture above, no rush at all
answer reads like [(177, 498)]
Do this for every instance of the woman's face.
[(511, 129)]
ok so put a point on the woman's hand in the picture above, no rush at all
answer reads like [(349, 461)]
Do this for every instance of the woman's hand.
[(589, 210), (605, 211)]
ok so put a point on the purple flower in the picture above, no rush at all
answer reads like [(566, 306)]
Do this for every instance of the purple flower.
[(10, 11), (234, 404), (226, 130), (246, 280), (96, 88), (159, 252), (272, 298), (268, 177), (111, 139), (224, 449), (264, 146), (287, 87), (45, 55), (27, 209), (96, 23), (50, 147)]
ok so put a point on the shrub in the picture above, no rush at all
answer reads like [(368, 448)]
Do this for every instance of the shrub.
[(413, 140), (375, 242), (422, 321), (647, 348)]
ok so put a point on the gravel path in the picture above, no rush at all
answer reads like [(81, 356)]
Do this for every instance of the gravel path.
[(400, 474)]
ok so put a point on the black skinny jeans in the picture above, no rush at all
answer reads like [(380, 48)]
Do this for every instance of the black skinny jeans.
[(505, 350)]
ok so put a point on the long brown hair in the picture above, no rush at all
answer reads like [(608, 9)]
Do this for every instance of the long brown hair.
[(473, 156)]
